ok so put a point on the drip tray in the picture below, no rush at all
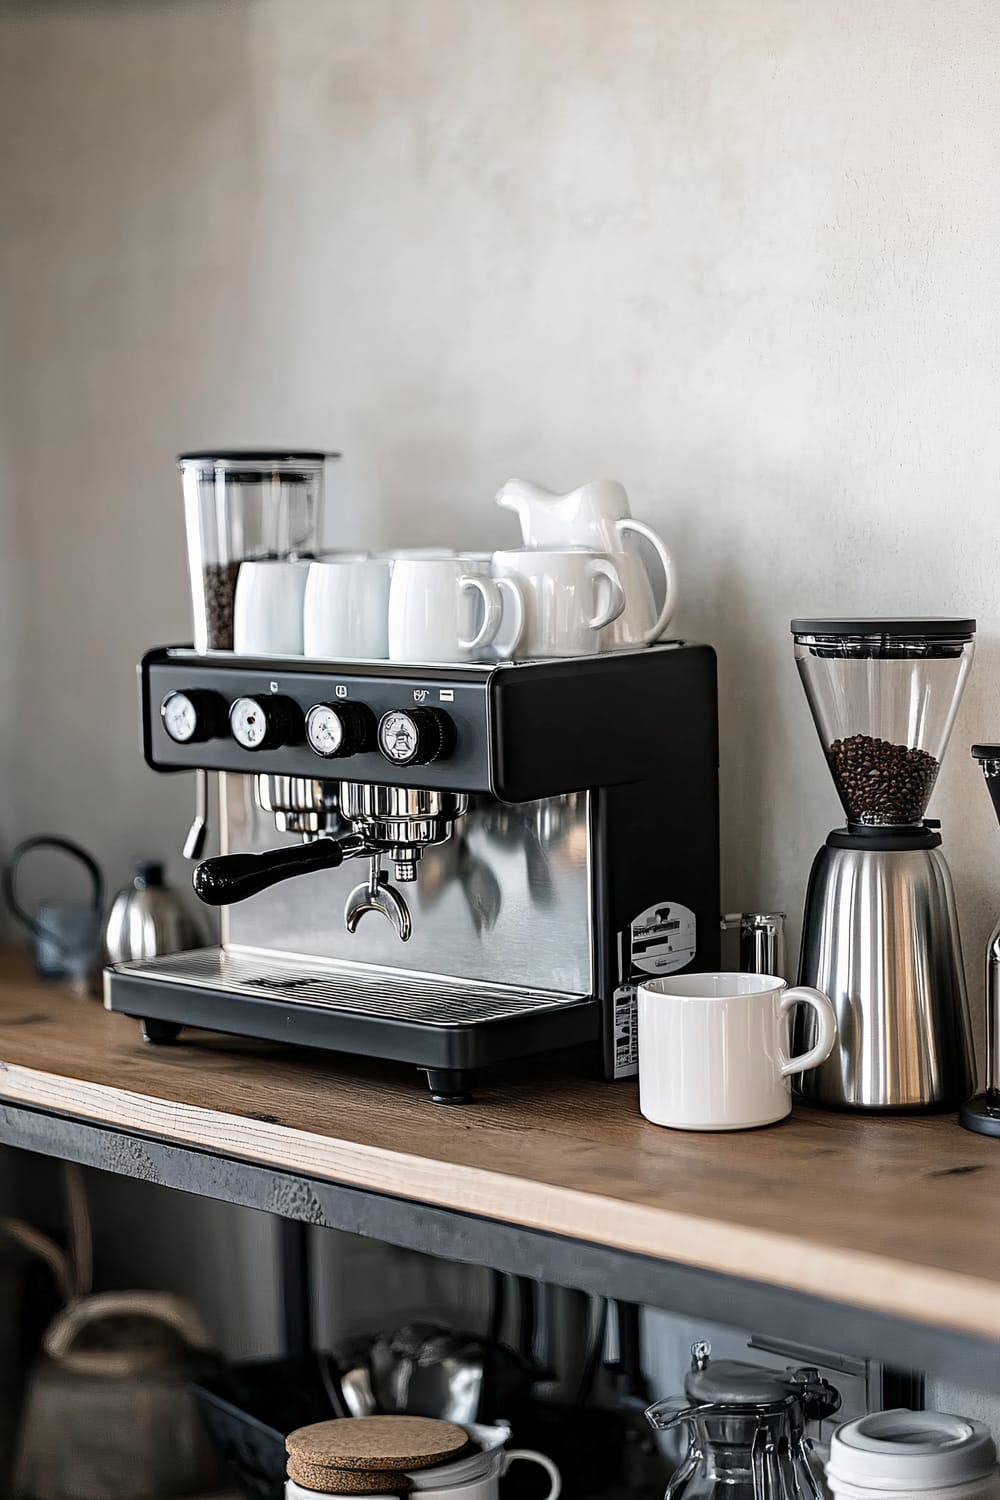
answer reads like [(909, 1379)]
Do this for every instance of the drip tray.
[(423, 1019)]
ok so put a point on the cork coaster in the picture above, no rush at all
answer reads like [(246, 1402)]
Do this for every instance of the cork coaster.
[(377, 1443), (328, 1481)]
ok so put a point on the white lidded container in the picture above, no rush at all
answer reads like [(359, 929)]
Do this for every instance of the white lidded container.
[(476, 1476), (913, 1455)]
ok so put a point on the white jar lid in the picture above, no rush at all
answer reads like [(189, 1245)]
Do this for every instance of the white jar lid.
[(901, 1450)]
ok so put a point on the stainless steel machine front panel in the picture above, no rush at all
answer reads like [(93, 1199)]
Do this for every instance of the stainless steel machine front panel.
[(506, 900)]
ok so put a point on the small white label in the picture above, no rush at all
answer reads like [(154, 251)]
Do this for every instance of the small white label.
[(664, 938), (340, 691), (626, 1032), (447, 695), (274, 686)]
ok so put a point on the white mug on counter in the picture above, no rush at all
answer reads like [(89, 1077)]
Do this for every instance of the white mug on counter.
[(570, 596), (345, 611), (475, 1477), (267, 609), (434, 604), (714, 1049)]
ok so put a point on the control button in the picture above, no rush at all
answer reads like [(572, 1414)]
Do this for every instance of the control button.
[(194, 715), (339, 729), (415, 736), (265, 723)]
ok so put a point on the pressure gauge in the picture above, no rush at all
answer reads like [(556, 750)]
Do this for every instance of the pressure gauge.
[(414, 737), (339, 729), (193, 715), (265, 723)]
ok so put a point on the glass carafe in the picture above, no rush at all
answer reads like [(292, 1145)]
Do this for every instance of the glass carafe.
[(746, 1430), (883, 695), (243, 506)]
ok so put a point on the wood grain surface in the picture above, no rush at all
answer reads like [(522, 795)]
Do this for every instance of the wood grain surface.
[(899, 1215)]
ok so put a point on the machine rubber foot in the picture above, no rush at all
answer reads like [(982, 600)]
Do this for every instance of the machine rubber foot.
[(450, 1085), (981, 1114), (160, 1033)]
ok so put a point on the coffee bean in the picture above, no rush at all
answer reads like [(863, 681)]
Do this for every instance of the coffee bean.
[(220, 591), (880, 782)]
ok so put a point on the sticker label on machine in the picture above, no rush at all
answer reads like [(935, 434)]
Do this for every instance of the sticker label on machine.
[(662, 940)]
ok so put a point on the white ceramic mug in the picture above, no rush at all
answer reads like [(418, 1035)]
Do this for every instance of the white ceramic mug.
[(267, 609), (570, 595), (474, 1477), (598, 515), (434, 603), (714, 1049), (345, 613)]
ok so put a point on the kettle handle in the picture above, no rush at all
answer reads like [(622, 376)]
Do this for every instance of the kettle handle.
[(159, 1307), (48, 841)]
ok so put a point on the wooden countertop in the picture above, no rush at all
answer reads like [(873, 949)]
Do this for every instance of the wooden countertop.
[(897, 1215)]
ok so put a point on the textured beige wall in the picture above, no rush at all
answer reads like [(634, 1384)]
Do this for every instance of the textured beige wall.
[(743, 254)]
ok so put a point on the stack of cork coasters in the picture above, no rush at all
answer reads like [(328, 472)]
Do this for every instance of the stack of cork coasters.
[(369, 1455)]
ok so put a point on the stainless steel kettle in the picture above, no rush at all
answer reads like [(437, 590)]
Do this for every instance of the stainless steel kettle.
[(148, 918)]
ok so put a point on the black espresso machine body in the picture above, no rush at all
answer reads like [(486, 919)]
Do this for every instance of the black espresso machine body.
[(554, 831)]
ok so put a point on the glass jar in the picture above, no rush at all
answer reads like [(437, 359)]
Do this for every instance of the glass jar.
[(746, 1430), (239, 506)]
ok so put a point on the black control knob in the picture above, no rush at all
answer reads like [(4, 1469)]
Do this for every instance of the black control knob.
[(265, 723), (194, 715), (415, 736), (339, 729)]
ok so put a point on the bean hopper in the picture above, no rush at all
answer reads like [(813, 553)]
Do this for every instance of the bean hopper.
[(746, 1430), (246, 505), (880, 931)]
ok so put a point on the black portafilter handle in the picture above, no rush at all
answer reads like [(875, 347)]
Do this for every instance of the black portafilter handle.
[(233, 877)]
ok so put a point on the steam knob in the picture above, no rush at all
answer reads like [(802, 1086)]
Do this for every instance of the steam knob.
[(265, 723), (415, 736), (339, 729), (192, 716)]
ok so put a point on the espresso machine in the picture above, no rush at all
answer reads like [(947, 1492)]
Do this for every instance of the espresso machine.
[(452, 866), (880, 932)]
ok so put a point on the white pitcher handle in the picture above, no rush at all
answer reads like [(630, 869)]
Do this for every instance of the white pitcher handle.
[(492, 610), (505, 643), (656, 541), (826, 1017), (603, 567), (530, 1455)]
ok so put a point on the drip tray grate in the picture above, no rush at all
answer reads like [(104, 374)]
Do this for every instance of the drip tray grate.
[(416, 999)]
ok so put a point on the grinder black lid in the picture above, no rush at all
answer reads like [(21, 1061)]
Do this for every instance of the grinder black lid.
[(916, 627)]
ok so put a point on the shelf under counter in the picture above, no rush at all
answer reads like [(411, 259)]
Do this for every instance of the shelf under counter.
[(871, 1236)]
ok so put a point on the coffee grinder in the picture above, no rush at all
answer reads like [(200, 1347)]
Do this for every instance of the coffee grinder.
[(880, 931)]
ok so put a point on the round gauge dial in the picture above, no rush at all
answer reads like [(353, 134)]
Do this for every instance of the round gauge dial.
[(398, 737), (325, 730), (413, 737), (342, 729), (192, 715), (248, 722), (180, 717)]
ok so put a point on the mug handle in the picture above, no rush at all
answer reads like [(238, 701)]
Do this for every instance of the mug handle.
[(826, 1016), (492, 610), (510, 589), (659, 625), (603, 567), (531, 1456)]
